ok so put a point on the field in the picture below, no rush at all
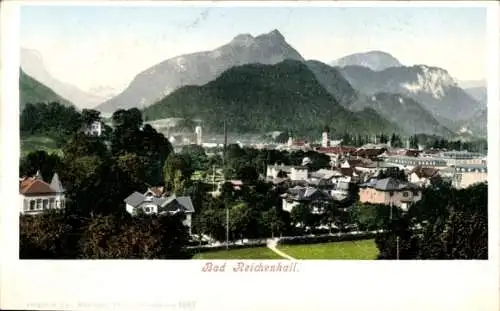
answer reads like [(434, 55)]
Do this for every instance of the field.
[(243, 253), (351, 250), (363, 249), (33, 143)]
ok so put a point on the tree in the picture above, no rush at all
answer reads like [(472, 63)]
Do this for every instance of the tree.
[(393, 172), (197, 156), (272, 221), (247, 174), (374, 216), (47, 236), (81, 145), (176, 171), (399, 242), (302, 216), (40, 160), (90, 115)]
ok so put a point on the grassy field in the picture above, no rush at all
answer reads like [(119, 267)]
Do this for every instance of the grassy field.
[(363, 249), (33, 143), (243, 253)]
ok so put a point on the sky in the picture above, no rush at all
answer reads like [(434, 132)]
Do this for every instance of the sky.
[(106, 46)]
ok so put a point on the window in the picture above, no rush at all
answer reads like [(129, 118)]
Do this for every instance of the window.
[(58, 204), (32, 205), (147, 209), (45, 204), (39, 204), (405, 194), (391, 193), (52, 203)]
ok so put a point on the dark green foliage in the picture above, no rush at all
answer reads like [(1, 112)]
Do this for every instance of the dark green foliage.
[(453, 225), (393, 172), (40, 160), (52, 118), (196, 157), (374, 216), (260, 98), (32, 91), (64, 236)]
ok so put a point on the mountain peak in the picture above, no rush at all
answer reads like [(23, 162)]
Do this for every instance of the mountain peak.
[(276, 33), (273, 34), (244, 37), (376, 60)]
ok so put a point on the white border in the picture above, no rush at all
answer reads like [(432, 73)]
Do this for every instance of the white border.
[(346, 285)]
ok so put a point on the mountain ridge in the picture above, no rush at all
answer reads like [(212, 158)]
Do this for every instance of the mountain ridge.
[(33, 65), (33, 91), (199, 68), (263, 98)]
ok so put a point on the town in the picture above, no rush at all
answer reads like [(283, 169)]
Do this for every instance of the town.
[(121, 189)]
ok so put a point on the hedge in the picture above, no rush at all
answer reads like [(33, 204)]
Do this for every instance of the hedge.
[(326, 238)]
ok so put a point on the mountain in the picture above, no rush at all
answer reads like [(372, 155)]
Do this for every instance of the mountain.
[(479, 93), (403, 111), (478, 124), (199, 68), (32, 64), (375, 60), (258, 98), (333, 82), (432, 87), (32, 91)]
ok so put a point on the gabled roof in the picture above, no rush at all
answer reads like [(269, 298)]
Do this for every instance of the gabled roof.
[(163, 203), (36, 185), (134, 199)]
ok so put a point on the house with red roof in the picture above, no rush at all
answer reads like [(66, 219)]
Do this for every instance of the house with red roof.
[(37, 196)]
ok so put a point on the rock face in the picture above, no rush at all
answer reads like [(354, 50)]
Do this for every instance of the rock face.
[(374, 60), (403, 111), (432, 87), (199, 68), (32, 64)]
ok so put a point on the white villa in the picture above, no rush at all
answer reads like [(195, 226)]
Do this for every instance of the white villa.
[(94, 129), (37, 196), (154, 202)]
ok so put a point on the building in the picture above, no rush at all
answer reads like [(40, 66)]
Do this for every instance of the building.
[(389, 191), (324, 139), (95, 128), (469, 174), (412, 162), (37, 196), (314, 198), (454, 158), (423, 176), (199, 139), (292, 172), (152, 202)]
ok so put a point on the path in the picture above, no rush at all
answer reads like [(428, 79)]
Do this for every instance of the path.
[(272, 243)]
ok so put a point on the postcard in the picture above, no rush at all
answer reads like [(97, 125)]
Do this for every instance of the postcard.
[(225, 141)]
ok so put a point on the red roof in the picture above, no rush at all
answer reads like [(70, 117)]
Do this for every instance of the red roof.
[(336, 149), (157, 191), (34, 186), (369, 152)]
